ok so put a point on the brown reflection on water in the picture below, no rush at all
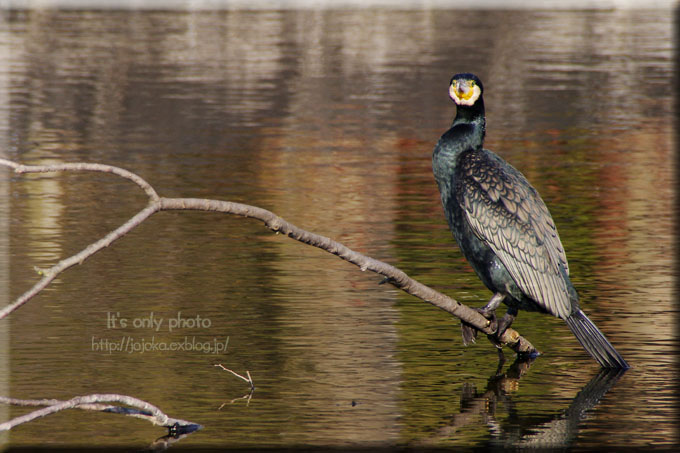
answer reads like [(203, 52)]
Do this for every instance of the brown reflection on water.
[(328, 118), (636, 267)]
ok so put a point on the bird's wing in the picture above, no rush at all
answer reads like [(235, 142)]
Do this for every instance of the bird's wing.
[(507, 213)]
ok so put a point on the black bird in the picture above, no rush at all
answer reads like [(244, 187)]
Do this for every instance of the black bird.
[(504, 228)]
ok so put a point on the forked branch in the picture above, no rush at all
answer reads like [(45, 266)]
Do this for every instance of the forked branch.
[(97, 402), (248, 379), (275, 223)]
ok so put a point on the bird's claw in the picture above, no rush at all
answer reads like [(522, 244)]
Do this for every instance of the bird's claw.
[(469, 333), (503, 324)]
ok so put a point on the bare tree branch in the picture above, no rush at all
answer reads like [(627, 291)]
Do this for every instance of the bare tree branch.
[(81, 166), (51, 273), (248, 379), (94, 402), (275, 223)]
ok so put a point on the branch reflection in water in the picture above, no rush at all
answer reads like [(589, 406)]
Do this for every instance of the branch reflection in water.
[(328, 118)]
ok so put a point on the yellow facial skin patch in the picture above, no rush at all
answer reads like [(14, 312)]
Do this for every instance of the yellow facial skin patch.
[(464, 92)]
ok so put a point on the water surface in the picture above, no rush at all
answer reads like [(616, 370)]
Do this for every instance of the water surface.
[(328, 118)]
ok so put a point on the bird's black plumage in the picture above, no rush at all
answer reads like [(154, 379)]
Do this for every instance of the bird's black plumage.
[(504, 228)]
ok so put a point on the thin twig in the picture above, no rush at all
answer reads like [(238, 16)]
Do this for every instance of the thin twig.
[(249, 379), (82, 166), (50, 274), (275, 223)]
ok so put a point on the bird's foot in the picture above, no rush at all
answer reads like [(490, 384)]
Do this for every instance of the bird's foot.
[(470, 332), (501, 325)]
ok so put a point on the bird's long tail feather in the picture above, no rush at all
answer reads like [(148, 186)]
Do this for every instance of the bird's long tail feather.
[(594, 341)]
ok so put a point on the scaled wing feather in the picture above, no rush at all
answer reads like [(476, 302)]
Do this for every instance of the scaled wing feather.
[(508, 214)]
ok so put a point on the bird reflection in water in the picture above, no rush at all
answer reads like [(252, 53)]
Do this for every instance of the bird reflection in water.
[(557, 431)]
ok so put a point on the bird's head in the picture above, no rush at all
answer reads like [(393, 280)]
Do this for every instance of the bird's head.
[(465, 89)]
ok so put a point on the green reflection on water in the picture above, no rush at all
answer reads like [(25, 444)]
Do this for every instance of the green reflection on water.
[(329, 119)]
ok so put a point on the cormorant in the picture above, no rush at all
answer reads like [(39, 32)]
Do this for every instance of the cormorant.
[(504, 228)]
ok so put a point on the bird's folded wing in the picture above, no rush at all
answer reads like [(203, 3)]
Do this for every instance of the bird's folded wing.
[(508, 214)]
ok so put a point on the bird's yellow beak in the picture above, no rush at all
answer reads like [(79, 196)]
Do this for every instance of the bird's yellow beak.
[(461, 89), (464, 92)]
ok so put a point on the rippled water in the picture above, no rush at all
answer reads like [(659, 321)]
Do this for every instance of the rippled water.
[(329, 118)]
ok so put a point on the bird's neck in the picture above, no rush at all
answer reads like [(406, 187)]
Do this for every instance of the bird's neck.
[(466, 134), (469, 126)]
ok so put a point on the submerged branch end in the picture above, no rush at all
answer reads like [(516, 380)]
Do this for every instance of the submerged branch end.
[(94, 402)]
